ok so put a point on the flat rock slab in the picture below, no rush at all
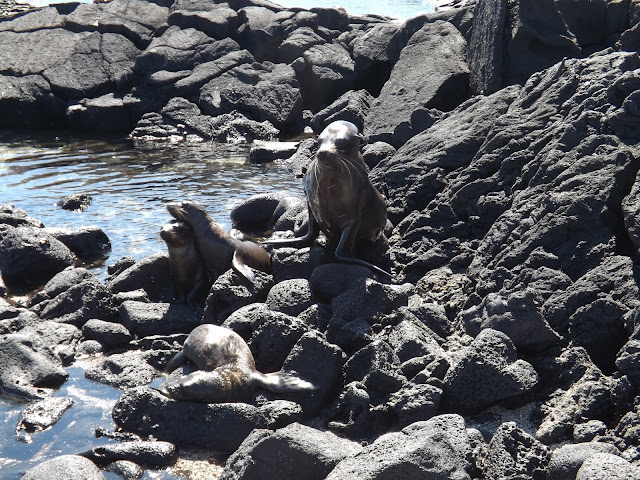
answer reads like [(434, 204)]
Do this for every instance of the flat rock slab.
[(146, 319)]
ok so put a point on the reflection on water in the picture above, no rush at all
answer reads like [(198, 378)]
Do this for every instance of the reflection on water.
[(129, 187), (401, 9)]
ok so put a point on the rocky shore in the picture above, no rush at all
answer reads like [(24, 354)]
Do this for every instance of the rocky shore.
[(505, 136)]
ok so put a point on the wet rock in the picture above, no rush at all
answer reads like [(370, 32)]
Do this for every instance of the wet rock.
[(291, 263), (153, 454), (71, 467), (16, 217), (290, 296), (603, 465), (267, 211), (352, 106), (436, 448), (124, 370), (30, 257), (302, 452), (152, 274), (145, 319), (411, 88), (217, 426), (87, 243), (76, 202), (80, 303), (486, 372), (273, 339), (125, 469), (263, 152), (43, 414), (515, 454), (262, 92), (109, 334), (26, 368), (232, 291)]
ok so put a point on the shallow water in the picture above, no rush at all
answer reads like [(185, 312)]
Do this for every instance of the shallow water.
[(129, 186)]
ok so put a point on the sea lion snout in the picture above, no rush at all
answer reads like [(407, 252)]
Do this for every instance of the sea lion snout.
[(176, 233), (338, 138)]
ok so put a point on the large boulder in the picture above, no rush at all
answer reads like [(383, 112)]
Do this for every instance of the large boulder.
[(430, 73), (70, 467)]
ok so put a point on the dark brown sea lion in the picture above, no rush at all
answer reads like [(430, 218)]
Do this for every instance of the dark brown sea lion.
[(190, 278), (217, 248), (341, 200), (227, 369)]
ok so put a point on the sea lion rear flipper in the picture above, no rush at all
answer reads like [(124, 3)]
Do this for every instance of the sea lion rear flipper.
[(304, 241), (239, 265), (280, 382), (344, 239)]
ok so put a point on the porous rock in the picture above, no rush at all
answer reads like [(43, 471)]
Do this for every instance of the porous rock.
[(290, 296), (144, 319), (71, 467)]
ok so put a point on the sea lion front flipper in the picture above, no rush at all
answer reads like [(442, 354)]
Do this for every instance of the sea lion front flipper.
[(345, 239), (241, 267), (177, 360)]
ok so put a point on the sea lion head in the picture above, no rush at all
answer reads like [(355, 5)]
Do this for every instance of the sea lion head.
[(187, 211), (339, 138), (176, 234)]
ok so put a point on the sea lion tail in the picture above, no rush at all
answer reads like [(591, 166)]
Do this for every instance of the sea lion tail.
[(281, 382)]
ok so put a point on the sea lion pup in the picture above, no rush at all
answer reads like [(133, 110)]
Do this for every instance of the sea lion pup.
[(341, 200), (190, 278), (227, 369), (217, 248)]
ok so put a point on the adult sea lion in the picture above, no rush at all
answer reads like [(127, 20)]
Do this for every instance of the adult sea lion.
[(341, 200), (227, 369), (217, 248), (190, 278)]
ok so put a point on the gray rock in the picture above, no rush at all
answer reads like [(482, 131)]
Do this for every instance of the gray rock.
[(263, 92), (27, 368), (60, 283), (415, 403), (584, 20), (566, 460), (43, 414), (606, 465), (218, 426), (232, 291), (333, 279), (290, 296), (109, 334), (532, 23), (152, 274), (290, 263), (16, 217), (297, 42), (485, 55), (377, 367), (371, 57), (145, 319), (266, 211), (30, 257), (70, 467), (125, 469), (264, 152), (217, 21), (272, 340), (375, 152), (352, 106), (438, 448), (123, 370), (586, 432), (518, 316), (296, 451), (441, 82), (153, 454), (486, 372), (513, 454), (78, 202)]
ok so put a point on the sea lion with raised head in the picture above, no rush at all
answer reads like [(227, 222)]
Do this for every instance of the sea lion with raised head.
[(227, 369), (190, 279), (341, 200), (218, 249)]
